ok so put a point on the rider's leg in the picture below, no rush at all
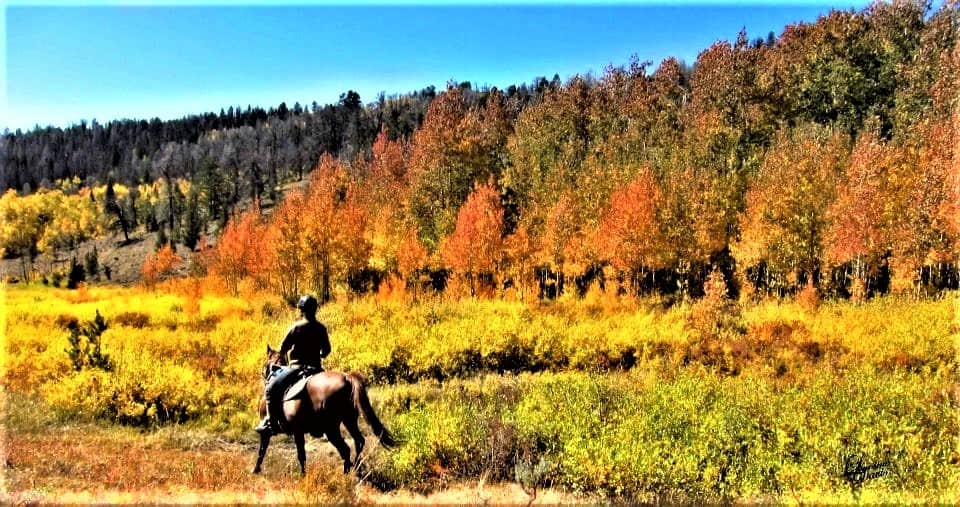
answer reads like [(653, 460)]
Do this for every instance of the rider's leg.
[(265, 425), (274, 400)]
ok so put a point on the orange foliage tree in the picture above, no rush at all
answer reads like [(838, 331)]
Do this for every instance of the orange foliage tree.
[(241, 252), (919, 189), (149, 271), (285, 256), (629, 234), (411, 254), (949, 100), (476, 245), (381, 193), (950, 209), (520, 250), (160, 265), (333, 229), (388, 160), (353, 247), (858, 232)]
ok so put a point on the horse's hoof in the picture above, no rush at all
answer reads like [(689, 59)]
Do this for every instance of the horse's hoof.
[(256, 470)]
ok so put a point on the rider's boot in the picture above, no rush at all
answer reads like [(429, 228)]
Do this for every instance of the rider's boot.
[(265, 427)]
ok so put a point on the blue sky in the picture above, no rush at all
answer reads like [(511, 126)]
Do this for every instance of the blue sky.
[(64, 64)]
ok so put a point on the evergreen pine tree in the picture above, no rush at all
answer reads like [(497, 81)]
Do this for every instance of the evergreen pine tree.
[(76, 274), (192, 222), (91, 264)]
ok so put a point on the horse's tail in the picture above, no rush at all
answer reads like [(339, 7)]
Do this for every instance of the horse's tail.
[(362, 403)]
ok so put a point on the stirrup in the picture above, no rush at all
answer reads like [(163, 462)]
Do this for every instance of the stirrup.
[(265, 428)]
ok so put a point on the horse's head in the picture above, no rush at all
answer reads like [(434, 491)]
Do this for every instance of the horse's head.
[(271, 364)]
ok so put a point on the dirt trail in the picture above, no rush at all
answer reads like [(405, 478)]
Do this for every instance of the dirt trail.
[(88, 463)]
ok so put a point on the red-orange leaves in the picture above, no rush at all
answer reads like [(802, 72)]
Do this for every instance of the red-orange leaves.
[(629, 235), (387, 160), (950, 209), (334, 228), (283, 237), (160, 265), (411, 254), (476, 245), (240, 250), (857, 228)]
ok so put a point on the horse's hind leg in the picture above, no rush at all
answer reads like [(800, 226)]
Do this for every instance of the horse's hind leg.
[(354, 429), (264, 443), (301, 452), (333, 435)]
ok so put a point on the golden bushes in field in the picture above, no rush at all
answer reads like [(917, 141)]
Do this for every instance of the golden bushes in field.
[(169, 365), (185, 354)]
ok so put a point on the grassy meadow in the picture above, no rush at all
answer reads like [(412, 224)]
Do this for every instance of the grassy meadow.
[(602, 396)]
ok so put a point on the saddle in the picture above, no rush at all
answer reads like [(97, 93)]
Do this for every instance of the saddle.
[(294, 390), (297, 387)]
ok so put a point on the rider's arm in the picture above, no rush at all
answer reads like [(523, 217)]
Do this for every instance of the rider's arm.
[(324, 341), (286, 346)]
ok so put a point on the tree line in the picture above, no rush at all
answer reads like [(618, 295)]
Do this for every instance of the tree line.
[(264, 143)]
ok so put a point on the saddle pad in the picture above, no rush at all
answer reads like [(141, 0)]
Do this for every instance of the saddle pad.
[(294, 391)]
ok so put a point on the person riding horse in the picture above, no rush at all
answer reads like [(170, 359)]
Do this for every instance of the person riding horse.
[(303, 349)]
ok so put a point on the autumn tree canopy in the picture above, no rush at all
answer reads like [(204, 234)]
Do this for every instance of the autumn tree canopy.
[(476, 245), (827, 152)]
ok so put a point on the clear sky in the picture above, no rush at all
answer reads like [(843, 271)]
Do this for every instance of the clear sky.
[(67, 63)]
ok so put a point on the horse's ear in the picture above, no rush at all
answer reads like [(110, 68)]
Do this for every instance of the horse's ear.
[(269, 350)]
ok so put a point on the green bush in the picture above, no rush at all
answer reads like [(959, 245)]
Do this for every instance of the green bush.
[(693, 437), (85, 349)]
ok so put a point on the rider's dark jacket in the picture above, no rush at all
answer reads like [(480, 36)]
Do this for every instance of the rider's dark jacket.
[(306, 344)]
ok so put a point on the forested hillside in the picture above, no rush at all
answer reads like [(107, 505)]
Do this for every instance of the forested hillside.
[(263, 146), (826, 157)]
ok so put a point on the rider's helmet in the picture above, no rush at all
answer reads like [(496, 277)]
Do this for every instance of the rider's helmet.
[(307, 305)]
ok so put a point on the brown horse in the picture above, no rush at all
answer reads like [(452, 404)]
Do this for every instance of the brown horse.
[(329, 399)]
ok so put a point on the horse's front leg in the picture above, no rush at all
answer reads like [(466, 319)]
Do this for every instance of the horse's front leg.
[(301, 452), (264, 443)]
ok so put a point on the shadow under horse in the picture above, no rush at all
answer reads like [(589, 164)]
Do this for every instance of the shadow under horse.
[(329, 399)]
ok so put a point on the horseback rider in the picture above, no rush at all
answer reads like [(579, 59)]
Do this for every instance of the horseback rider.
[(302, 350)]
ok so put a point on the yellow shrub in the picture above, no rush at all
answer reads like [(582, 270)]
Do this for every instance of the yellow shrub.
[(208, 363)]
